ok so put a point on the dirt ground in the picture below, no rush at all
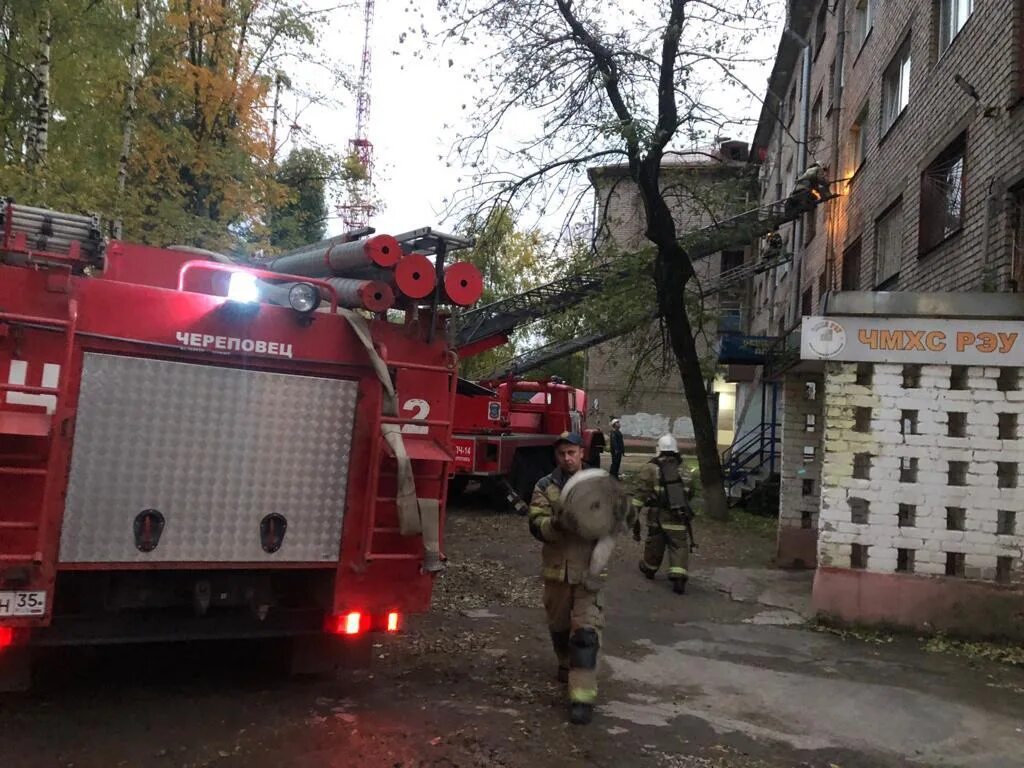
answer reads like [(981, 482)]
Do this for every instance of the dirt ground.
[(728, 676)]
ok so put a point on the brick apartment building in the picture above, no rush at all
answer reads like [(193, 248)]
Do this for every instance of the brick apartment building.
[(701, 187), (917, 107)]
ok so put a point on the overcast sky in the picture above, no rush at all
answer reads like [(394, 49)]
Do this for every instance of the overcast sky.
[(418, 103)]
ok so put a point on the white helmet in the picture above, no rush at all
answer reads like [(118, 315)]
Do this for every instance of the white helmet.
[(667, 444)]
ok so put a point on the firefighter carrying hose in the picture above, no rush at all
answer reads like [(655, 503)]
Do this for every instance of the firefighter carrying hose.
[(572, 597), (663, 493)]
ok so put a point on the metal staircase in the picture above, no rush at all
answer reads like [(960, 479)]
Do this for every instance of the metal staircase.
[(755, 454)]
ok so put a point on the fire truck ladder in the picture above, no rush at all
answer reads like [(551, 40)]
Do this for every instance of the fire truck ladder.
[(30, 475), (478, 327), (541, 356)]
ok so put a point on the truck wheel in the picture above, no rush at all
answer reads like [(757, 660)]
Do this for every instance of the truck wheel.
[(527, 468), (457, 486), (324, 654), (15, 669)]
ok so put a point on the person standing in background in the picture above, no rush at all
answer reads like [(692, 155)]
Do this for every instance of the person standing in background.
[(618, 448)]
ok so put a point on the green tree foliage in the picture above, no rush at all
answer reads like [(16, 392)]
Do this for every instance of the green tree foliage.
[(302, 217), (510, 261)]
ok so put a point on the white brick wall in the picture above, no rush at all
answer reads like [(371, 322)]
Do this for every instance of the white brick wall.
[(931, 495)]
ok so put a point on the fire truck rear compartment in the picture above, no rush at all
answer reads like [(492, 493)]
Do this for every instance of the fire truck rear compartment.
[(177, 462)]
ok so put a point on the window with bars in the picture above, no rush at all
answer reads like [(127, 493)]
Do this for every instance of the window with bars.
[(896, 86), (953, 14), (942, 196), (863, 21), (888, 243), (851, 267)]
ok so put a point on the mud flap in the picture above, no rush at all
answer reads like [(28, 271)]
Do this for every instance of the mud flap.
[(15, 668), (324, 654)]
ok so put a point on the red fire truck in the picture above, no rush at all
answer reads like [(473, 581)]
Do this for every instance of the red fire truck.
[(190, 448), (504, 431)]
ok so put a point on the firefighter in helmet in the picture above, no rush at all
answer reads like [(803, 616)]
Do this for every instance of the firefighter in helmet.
[(809, 187), (663, 492), (572, 598)]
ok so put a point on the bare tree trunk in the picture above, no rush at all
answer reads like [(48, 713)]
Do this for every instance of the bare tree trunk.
[(674, 270), (39, 143), (130, 108)]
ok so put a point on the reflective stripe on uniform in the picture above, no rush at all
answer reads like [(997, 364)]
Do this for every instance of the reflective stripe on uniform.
[(553, 573), (637, 503), (672, 526), (677, 571), (537, 511), (583, 695)]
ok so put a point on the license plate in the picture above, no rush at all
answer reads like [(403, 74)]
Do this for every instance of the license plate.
[(22, 603)]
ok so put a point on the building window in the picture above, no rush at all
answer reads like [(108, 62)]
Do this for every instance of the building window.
[(822, 287), (953, 15), (851, 267), (816, 134), (1017, 236), (831, 85), (819, 27), (791, 104), (810, 225), (896, 86), (863, 21), (807, 303), (942, 196), (858, 140), (888, 243)]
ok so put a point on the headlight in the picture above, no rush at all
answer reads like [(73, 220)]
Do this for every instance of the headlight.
[(304, 297), (242, 288)]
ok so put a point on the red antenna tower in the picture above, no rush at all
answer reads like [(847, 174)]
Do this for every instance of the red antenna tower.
[(356, 213)]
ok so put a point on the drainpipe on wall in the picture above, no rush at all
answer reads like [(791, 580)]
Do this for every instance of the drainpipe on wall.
[(801, 166), (837, 111)]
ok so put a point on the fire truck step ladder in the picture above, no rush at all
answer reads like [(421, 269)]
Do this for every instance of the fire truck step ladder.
[(26, 468), (372, 529)]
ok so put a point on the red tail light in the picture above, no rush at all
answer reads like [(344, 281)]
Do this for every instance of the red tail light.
[(346, 624), (6, 637), (353, 623), (392, 625)]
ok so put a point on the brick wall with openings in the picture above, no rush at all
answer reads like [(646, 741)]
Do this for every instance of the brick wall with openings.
[(923, 471)]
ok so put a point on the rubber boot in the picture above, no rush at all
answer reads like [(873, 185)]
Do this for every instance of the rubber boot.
[(580, 713), (679, 585), (647, 573)]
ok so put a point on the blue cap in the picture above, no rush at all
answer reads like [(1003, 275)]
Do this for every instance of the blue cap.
[(572, 438)]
